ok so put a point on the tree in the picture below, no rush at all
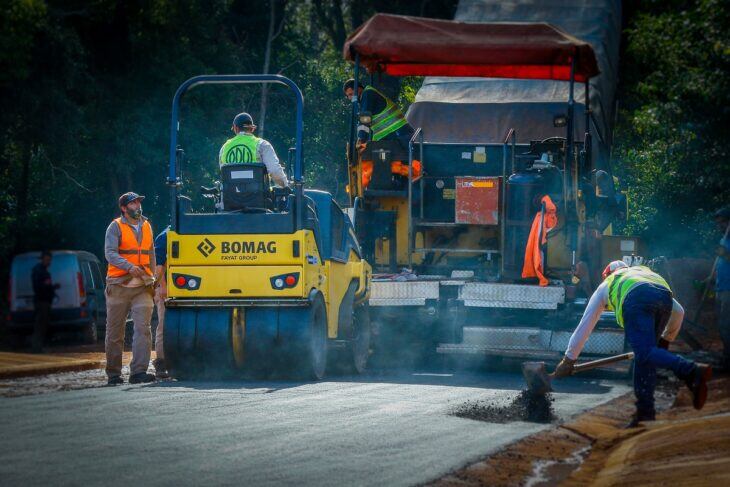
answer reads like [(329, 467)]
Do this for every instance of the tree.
[(271, 36), (672, 131)]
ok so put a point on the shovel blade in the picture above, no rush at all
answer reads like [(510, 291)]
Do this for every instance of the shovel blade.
[(536, 377)]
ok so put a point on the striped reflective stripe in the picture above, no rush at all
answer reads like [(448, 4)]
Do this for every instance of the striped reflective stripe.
[(621, 282), (134, 252), (379, 134), (387, 121)]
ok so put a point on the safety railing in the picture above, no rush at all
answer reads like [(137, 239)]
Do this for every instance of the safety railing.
[(418, 134), (509, 140)]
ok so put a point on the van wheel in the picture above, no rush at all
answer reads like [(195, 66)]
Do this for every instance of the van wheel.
[(90, 333)]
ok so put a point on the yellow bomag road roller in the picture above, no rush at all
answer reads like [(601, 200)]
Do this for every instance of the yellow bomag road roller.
[(273, 280)]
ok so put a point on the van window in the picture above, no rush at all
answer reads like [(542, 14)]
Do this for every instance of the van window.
[(64, 270), (86, 271), (96, 273)]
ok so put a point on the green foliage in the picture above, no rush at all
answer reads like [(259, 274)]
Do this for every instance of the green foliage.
[(671, 140), (20, 21)]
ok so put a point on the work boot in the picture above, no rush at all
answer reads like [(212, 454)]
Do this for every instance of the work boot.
[(697, 383), (160, 369), (141, 378), (638, 418), (115, 380)]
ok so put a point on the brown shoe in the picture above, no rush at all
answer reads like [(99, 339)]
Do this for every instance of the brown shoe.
[(697, 383)]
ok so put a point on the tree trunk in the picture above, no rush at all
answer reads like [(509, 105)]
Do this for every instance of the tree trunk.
[(273, 34), (333, 21), (21, 213)]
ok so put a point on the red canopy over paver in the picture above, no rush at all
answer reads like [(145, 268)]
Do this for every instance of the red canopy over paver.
[(413, 46)]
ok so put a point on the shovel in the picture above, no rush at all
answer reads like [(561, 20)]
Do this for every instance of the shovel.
[(539, 381)]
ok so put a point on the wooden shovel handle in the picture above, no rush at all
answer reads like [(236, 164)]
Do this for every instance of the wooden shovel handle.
[(602, 361)]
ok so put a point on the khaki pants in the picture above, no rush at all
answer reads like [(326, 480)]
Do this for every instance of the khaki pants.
[(120, 301), (159, 346)]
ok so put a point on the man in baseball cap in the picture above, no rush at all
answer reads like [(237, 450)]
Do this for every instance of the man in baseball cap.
[(246, 148), (127, 198), (129, 249), (642, 302)]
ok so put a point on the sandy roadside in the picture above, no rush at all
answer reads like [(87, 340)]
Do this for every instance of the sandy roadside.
[(683, 447)]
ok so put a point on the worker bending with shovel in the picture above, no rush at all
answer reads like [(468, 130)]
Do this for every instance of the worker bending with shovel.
[(643, 304)]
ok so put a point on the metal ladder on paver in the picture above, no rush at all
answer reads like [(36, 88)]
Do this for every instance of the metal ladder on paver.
[(508, 145)]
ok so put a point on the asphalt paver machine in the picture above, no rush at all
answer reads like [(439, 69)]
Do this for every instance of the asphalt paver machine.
[(462, 228), (272, 281)]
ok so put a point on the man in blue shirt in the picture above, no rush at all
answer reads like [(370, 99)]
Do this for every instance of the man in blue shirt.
[(722, 282), (160, 296)]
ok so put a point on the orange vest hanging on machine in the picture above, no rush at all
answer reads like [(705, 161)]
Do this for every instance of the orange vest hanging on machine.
[(130, 250), (396, 167), (534, 265)]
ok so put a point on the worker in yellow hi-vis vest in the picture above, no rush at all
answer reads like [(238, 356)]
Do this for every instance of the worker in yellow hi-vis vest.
[(651, 319), (387, 122), (245, 147)]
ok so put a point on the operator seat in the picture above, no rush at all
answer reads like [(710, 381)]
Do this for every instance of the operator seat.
[(245, 188)]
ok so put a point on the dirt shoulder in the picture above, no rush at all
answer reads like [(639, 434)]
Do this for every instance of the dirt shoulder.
[(683, 447)]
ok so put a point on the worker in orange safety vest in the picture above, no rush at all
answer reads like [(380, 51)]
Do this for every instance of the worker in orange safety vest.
[(129, 249), (545, 220)]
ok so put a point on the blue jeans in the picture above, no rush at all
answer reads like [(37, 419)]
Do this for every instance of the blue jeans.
[(646, 311)]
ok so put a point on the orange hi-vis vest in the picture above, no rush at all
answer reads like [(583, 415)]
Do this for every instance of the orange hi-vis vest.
[(135, 253), (534, 265), (396, 167)]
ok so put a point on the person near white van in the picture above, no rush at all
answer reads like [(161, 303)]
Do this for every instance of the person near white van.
[(44, 290), (129, 249)]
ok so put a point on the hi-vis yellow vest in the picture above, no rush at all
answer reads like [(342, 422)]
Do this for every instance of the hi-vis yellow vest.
[(387, 121), (243, 148), (621, 282)]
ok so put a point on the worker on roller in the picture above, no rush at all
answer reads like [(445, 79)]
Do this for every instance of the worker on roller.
[(245, 147), (130, 251), (644, 307), (387, 122)]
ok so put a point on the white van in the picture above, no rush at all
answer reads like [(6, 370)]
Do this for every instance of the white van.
[(79, 304)]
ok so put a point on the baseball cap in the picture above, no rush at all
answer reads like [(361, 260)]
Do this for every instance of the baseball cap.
[(242, 120), (127, 198), (612, 267)]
